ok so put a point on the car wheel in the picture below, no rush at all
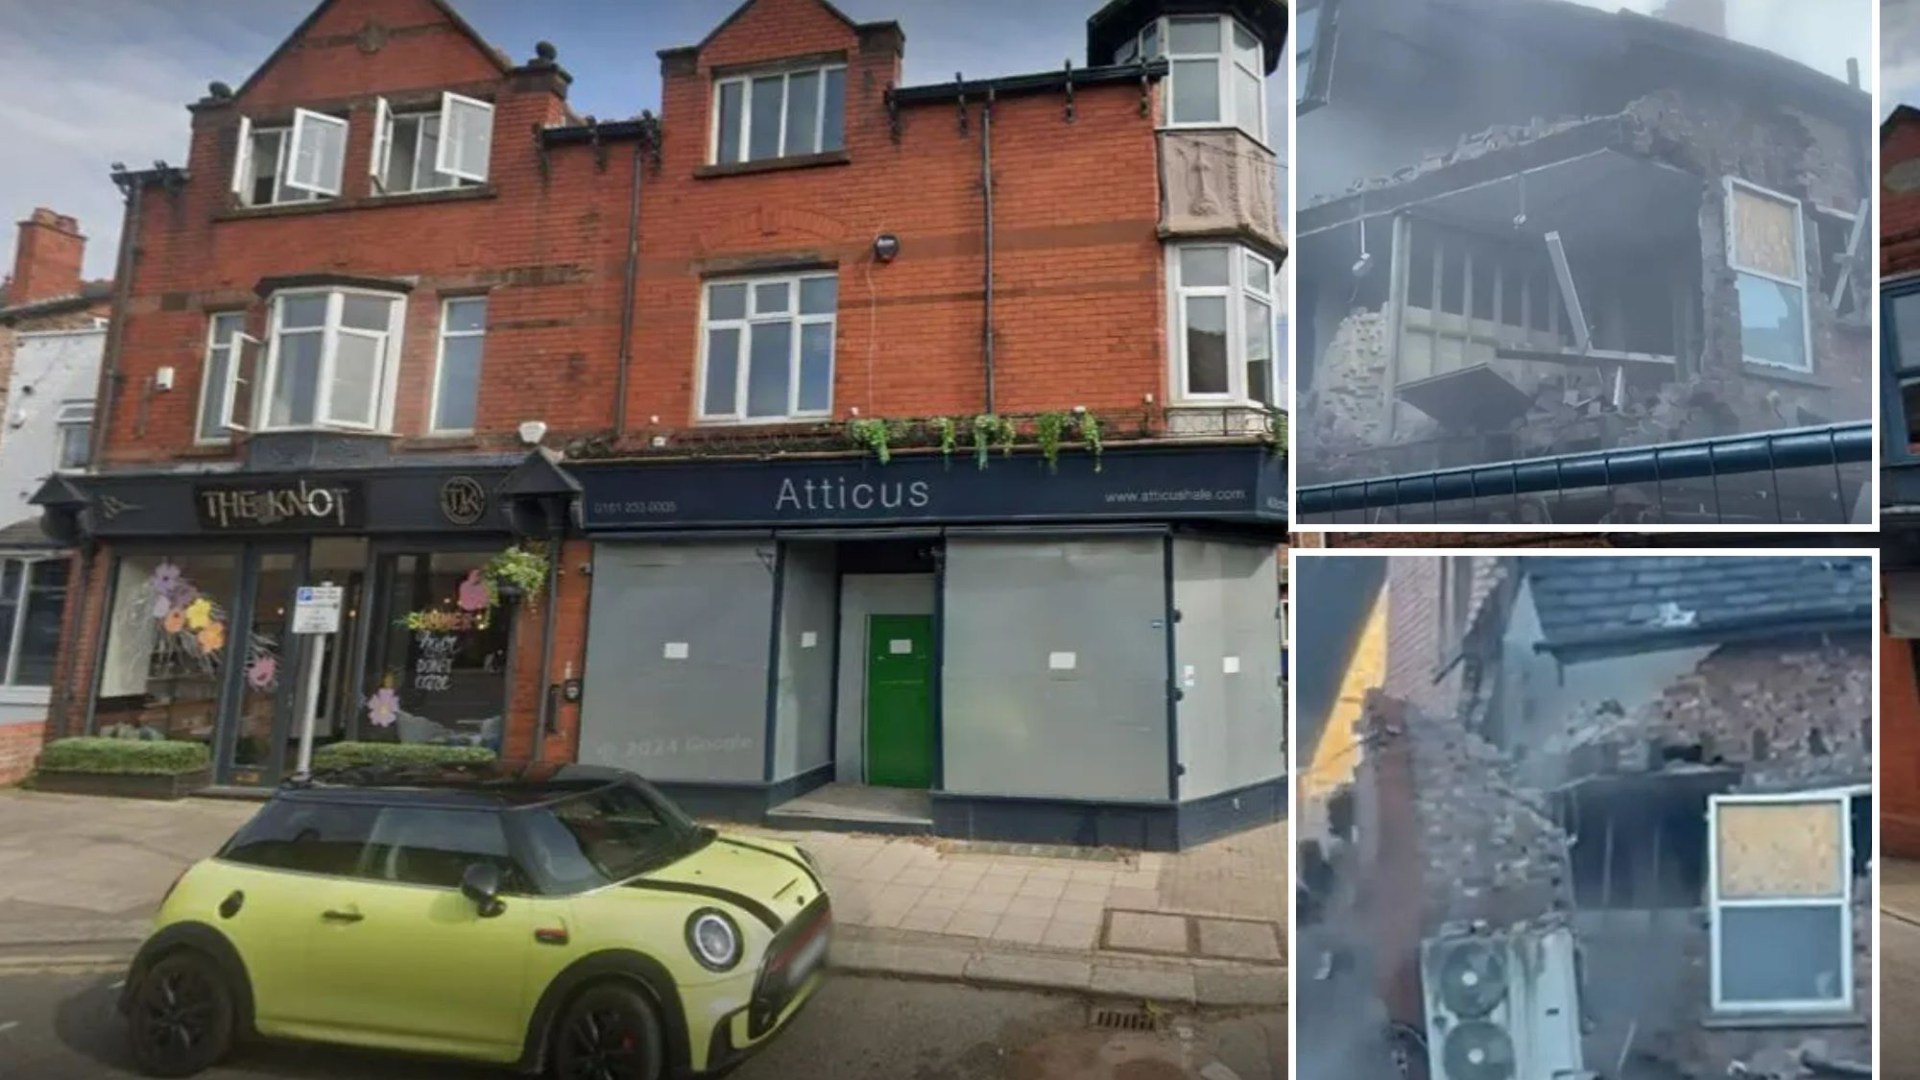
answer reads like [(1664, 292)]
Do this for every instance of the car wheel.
[(182, 1016), (609, 1032)]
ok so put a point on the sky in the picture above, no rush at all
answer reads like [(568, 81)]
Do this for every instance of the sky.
[(91, 82), (1899, 54)]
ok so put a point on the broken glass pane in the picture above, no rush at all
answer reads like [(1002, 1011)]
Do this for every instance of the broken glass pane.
[(1773, 322), (1782, 954)]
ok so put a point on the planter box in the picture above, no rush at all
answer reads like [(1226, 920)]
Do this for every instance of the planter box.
[(123, 785)]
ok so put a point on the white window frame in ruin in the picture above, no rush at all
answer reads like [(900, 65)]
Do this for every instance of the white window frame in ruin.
[(1842, 798), (744, 354), (1728, 187), (1236, 292), (460, 141), (10, 663), (385, 385), (745, 81), (1228, 60), (440, 360), (309, 129), (74, 415), (227, 382)]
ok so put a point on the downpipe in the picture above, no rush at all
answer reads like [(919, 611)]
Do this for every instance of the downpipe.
[(986, 187), (629, 289)]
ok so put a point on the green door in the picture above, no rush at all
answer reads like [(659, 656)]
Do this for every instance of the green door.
[(900, 701)]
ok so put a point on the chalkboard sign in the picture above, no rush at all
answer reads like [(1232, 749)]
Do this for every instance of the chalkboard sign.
[(433, 656)]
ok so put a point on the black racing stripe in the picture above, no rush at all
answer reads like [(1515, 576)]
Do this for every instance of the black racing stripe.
[(757, 909), (801, 863)]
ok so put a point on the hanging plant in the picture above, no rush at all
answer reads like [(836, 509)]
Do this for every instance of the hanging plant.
[(520, 570), (945, 429), (1047, 430), (988, 430), (875, 435), (1087, 426)]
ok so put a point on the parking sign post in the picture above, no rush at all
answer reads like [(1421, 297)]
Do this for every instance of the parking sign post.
[(316, 614)]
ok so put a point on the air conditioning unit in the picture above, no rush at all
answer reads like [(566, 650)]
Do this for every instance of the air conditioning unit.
[(1502, 1006)]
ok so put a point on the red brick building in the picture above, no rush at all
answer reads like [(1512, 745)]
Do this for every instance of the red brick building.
[(1900, 478), (834, 407)]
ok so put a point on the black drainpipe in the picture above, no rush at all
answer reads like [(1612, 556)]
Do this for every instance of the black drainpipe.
[(626, 306), (135, 188), (556, 530), (986, 185)]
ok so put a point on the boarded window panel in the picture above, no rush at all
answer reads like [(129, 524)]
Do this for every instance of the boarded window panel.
[(1765, 235), (1779, 850)]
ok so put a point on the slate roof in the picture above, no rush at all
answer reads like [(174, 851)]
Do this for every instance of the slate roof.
[(25, 533), (91, 293), (1610, 604)]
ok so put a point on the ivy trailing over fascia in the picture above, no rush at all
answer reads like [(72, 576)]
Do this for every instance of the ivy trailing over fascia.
[(986, 432), (875, 435)]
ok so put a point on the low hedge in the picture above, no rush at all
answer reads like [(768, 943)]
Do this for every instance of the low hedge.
[(127, 757), (354, 755)]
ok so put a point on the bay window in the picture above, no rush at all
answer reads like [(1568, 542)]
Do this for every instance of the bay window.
[(33, 595), (1224, 324), (767, 347), (779, 114), (331, 357), (1216, 71)]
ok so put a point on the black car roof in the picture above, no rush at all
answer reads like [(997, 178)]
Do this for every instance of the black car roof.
[(497, 787)]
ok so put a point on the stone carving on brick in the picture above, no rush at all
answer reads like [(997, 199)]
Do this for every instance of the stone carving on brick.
[(373, 37), (1218, 182)]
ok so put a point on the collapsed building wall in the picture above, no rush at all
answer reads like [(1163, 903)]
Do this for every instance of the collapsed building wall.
[(1710, 388)]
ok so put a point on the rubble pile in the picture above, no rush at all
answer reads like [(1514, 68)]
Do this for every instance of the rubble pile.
[(1470, 146)]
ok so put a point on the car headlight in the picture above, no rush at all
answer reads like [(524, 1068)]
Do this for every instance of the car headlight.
[(714, 939)]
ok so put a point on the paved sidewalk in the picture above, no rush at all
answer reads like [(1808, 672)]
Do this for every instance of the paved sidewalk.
[(80, 875)]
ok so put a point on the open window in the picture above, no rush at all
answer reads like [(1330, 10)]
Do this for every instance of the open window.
[(1843, 242), (1765, 249), (431, 150), (331, 360), (1781, 893), (226, 378), (299, 162)]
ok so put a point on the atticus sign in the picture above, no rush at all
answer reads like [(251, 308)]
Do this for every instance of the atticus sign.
[(292, 507), (1218, 483)]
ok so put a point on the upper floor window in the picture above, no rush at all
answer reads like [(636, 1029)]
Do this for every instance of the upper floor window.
[(456, 379), (33, 594), (296, 163), (1764, 248), (767, 347), (1224, 324), (1782, 913), (1216, 71), (223, 402), (1306, 35), (780, 114), (1900, 344), (331, 359), (431, 151), (75, 424)]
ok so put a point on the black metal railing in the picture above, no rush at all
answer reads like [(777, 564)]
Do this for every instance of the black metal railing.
[(1809, 475)]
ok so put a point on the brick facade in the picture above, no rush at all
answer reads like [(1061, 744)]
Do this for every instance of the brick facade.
[(19, 749)]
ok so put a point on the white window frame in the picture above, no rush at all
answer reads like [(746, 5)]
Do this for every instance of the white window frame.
[(73, 414), (440, 360), (386, 138), (743, 367), (227, 385), (745, 81), (10, 663), (1235, 292), (451, 106), (1732, 184), (1843, 799), (285, 191), (308, 124), (331, 330), (1228, 61)]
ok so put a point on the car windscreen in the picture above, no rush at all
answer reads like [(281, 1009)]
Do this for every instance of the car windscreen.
[(601, 837)]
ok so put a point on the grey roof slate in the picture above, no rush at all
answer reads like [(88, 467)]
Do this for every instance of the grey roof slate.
[(1584, 600)]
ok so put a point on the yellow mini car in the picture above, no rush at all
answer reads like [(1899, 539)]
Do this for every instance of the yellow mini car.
[(568, 921)]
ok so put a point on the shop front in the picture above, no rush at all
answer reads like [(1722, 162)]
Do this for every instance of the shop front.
[(200, 576), (1084, 652)]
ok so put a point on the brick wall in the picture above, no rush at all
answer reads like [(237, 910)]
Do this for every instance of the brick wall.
[(19, 749), (1900, 194)]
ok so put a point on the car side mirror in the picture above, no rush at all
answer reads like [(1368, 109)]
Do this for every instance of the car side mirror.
[(481, 884)]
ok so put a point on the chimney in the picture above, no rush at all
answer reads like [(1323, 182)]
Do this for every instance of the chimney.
[(46, 259), (1705, 15)]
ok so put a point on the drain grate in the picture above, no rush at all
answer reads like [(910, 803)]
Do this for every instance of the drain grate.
[(1122, 1020)]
